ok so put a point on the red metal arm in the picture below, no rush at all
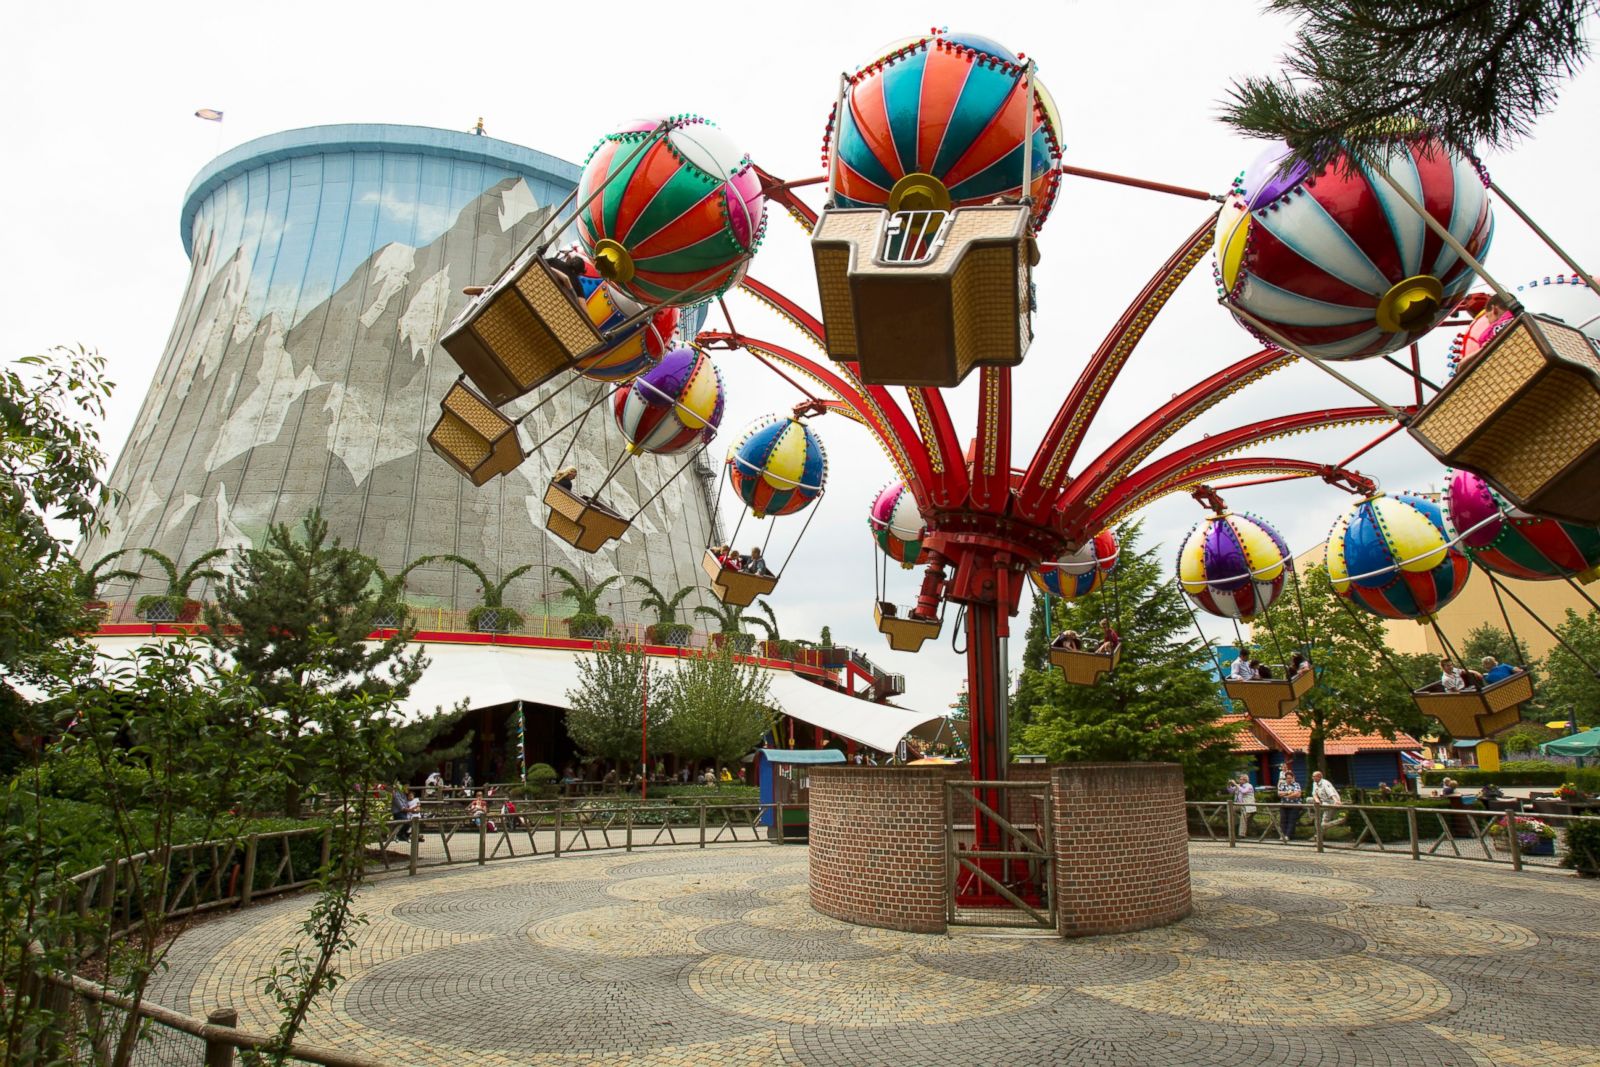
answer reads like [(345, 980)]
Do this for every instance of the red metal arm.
[(1048, 470), (991, 454), (782, 192), (1270, 469), (945, 454), (798, 316)]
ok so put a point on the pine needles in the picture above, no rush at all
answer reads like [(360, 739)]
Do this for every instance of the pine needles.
[(1365, 73)]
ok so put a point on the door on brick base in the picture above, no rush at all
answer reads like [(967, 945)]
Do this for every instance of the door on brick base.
[(999, 854)]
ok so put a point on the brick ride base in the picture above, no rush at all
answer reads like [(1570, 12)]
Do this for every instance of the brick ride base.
[(877, 855)]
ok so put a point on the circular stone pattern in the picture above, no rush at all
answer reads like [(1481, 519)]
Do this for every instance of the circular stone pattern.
[(715, 956)]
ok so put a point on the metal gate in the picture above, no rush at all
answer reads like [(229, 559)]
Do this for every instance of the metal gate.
[(1010, 880)]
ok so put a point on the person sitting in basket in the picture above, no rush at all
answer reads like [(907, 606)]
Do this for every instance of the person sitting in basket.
[(564, 478), (1453, 679), (1263, 672), (1109, 639), (754, 564), (1495, 671), (1242, 669), (1068, 641), (1298, 665)]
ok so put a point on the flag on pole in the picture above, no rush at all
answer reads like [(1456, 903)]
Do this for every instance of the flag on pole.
[(210, 114)]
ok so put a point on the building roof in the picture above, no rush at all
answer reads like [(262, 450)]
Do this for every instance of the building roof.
[(1244, 740), (1288, 735)]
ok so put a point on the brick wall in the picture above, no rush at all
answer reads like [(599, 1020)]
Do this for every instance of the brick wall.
[(877, 846), (1122, 849)]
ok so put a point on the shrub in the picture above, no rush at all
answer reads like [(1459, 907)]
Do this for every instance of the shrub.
[(589, 627), (1583, 848), (485, 619), (77, 775), (1391, 824), (1527, 773)]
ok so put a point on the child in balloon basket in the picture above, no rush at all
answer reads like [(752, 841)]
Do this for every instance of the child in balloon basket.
[(1109, 639), (1298, 665), (564, 478), (729, 559), (1068, 641)]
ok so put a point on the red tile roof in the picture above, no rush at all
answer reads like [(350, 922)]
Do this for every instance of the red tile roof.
[(1245, 740), (1288, 735)]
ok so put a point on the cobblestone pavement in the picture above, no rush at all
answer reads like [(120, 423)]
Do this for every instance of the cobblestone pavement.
[(691, 957)]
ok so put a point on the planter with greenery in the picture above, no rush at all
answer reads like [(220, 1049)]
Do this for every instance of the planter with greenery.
[(587, 623), (1534, 836), (87, 582), (491, 616), (174, 605), (730, 620), (666, 630)]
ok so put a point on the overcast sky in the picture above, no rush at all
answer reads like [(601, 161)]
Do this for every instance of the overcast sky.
[(97, 119)]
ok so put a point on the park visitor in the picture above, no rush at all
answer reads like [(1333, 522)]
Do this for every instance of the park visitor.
[(1289, 795), (1244, 795), (1326, 796)]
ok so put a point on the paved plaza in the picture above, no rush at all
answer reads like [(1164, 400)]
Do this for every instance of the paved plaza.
[(685, 956)]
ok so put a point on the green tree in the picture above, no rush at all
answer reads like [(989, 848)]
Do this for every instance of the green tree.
[(174, 601), (717, 706), (730, 620), (295, 614), (1573, 690), (667, 629), (1364, 72), (1361, 684), (1159, 704), (825, 639), (605, 713), (1489, 640), (587, 620)]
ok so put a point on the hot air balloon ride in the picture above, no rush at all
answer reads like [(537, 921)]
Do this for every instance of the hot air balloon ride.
[(1335, 262), (1512, 543), (1234, 566), (898, 528), (1078, 573), (1522, 406), (942, 158), (671, 210), (777, 468), (673, 407)]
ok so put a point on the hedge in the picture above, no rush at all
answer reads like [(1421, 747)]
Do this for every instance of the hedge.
[(1526, 774)]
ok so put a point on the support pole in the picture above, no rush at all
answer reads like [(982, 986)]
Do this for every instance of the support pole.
[(986, 708)]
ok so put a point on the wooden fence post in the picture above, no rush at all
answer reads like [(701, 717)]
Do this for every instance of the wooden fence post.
[(1411, 828), (1232, 836), (558, 829), (247, 888), (219, 1053), (702, 822), (414, 840), (483, 838)]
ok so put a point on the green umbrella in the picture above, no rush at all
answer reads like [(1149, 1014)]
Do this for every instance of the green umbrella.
[(1584, 744)]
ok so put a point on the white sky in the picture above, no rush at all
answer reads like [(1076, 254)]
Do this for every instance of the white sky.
[(101, 143)]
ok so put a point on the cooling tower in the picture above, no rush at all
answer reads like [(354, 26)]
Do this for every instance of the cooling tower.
[(303, 371)]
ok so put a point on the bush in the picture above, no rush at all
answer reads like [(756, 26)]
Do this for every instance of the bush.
[(676, 634), (498, 620), (1391, 824), (77, 775), (589, 627), (1583, 848), (1524, 773)]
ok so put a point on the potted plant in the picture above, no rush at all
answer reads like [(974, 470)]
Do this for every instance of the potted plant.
[(395, 613), (666, 630), (1583, 848), (1534, 836), (1568, 792), (491, 615), (730, 627), (174, 605), (587, 623), (829, 655), (86, 584), (774, 647)]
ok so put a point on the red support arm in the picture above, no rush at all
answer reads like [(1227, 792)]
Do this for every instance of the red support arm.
[(782, 192), (991, 456)]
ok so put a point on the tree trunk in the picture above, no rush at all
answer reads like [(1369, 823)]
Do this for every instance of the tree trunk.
[(1316, 749)]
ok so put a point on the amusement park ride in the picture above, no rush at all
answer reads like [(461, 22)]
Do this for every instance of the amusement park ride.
[(942, 160)]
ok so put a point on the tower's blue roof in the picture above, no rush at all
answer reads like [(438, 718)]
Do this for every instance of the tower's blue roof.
[(365, 137)]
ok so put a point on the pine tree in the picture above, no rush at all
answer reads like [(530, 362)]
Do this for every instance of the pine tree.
[(1364, 72), (294, 615), (1159, 704), (605, 716)]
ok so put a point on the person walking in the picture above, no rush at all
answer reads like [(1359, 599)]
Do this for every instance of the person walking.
[(1289, 795), (1244, 797), (1325, 795)]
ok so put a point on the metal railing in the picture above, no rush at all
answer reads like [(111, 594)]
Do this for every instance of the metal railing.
[(204, 876), (1408, 830), (1012, 880)]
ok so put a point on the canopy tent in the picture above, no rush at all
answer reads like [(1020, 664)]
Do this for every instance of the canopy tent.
[(1584, 744), (486, 675)]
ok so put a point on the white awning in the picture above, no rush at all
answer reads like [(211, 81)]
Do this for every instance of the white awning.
[(487, 675)]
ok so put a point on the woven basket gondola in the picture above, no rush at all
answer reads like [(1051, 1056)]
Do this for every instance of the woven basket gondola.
[(1270, 698), (583, 524), (735, 587), (905, 634), (473, 437), (1085, 668)]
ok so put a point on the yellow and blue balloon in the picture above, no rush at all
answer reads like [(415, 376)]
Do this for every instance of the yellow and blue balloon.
[(778, 467), (1392, 556)]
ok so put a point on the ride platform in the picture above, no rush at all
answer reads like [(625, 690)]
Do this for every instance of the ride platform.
[(735, 587), (521, 331), (1085, 668), (922, 297), (474, 437), (1477, 712), (905, 634), (1524, 413), (581, 523), (1271, 698)]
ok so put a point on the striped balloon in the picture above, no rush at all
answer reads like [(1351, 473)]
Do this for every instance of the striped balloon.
[(673, 406), (628, 355), (678, 220), (897, 524), (778, 467), (1080, 572), (951, 107), (1513, 543), (1392, 556), (1337, 263), (1233, 566)]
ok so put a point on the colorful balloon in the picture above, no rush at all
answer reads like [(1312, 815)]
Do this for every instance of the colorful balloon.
[(1513, 543), (641, 347), (939, 121), (1392, 556), (897, 524), (673, 406), (778, 467), (1080, 572), (1560, 296), (1233, 566), (677, 221), (1336, 262)]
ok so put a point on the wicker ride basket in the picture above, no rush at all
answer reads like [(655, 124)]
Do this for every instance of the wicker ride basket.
[(1524, 413), (922, 297), (522, 331), (581, 523), (473, 437), (905, 634), (1271, 698), (1085, 668), (1478, 713), (735, 587)]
